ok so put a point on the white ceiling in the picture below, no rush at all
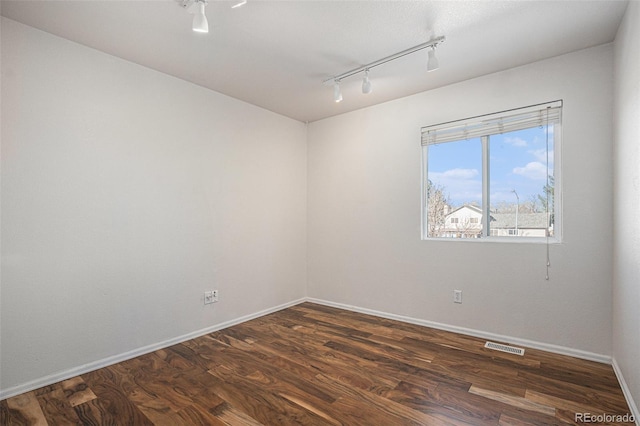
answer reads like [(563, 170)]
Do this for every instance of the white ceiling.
[(275, 54)]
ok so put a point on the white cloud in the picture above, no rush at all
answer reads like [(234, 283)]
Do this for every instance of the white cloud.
[(461, 185), (541, 155), (515, 141), (534, 170), (457, 174)]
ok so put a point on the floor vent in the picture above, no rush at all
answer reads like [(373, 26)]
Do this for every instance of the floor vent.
[(504, 348)]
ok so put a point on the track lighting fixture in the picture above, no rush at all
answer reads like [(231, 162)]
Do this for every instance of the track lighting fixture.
[(432, 65), (197, 8), (366, 83), (200, 24), (432, 61), (337, 94)]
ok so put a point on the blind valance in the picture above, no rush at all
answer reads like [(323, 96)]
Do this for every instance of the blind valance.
[(502, 122)]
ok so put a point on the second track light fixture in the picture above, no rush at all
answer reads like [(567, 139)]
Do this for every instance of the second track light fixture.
[(200, 23), (432, 65), (366, 83), (432, 61), (197, 9), (337, 94)]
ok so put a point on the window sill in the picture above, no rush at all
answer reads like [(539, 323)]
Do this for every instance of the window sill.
[(501, 240)]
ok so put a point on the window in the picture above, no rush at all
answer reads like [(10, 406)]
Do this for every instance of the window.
[(493, 177)]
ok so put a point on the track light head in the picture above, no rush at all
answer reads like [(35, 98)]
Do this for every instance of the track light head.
[(337, 94), (432, 61), (366, 83), (200, 23)]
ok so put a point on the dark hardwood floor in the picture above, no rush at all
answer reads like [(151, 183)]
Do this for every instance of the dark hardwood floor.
[(316, 365)]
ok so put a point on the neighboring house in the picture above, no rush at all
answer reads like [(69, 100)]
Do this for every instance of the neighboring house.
[(463, 222), (466, 222), (522, 225)]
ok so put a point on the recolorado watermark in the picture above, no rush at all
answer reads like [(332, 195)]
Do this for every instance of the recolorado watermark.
[(604, 418)]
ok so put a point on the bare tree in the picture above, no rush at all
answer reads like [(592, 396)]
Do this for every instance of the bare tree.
[(467, 229), (529, 206), (438, 206), (546, 199), (534, 203)]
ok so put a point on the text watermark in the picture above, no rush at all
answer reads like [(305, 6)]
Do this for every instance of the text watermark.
[(604, 418)]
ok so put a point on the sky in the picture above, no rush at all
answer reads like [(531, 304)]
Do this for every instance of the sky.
[(517, 162)]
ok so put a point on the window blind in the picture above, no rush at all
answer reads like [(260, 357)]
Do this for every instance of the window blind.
[(502, 122)]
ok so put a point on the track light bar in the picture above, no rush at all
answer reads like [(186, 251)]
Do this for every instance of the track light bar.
[(432, 65)]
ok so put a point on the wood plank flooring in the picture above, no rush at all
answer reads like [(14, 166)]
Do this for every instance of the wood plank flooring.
[(316, 365)]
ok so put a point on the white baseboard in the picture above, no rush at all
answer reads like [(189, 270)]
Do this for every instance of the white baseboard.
[(576, 353), (626, 391), (73, 372)]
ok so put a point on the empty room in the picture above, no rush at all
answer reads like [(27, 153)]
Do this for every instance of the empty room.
[(320, 212)]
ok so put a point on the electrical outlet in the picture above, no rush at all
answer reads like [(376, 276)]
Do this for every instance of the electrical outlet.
[(214, 296), (208, 297), (457, 296)]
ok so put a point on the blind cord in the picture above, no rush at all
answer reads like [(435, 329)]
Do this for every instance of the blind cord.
[(547, 190)]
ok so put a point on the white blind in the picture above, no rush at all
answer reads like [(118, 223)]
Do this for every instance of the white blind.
[(502, 122)]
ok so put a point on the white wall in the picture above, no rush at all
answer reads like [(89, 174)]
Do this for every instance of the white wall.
[(364, 242), (126, 194), (626, 263)]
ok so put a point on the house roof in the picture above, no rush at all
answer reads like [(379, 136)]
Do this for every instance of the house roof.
[(467, 206), (525, 220)]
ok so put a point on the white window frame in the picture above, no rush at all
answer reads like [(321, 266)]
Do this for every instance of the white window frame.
[(473, 128)]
